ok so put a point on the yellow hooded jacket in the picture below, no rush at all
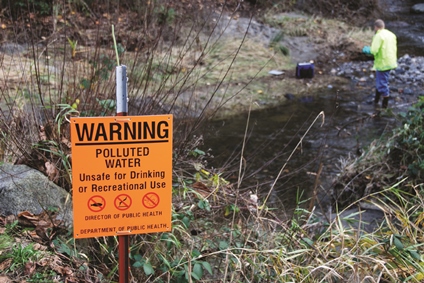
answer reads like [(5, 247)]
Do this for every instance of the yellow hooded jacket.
[(384, 49)]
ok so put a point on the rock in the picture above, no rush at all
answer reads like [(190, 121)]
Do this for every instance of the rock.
[(11, 48), (306, 99), (25, 189), (393, 89), (390, 7), (276, 72), (399, 71), (399, 24), (418, 8), (237, 28), (408, 73), (408, 91), (368, 220), (289, 96)]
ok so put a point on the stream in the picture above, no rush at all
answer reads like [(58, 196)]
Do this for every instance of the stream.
[(273, 134), (269, 146)]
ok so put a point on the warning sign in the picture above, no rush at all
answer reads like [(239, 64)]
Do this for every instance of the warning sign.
[(121, 175)]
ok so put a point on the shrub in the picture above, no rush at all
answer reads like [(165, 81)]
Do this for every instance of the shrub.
[(409, 144)]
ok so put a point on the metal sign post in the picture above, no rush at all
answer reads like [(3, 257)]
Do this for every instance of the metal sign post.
[(121, 91), (127, 189), (122, 110)]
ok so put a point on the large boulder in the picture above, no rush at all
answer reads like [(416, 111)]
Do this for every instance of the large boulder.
[(418, 8), (360, 219), (25, 189)]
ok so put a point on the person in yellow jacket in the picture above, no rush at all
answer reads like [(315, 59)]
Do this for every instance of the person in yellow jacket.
[(384, 49)]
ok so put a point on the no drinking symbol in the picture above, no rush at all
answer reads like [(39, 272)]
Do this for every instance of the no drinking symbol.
[(150, 200)]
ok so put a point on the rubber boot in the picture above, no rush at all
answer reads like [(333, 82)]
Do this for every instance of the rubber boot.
[(377, 97), (385, 102)]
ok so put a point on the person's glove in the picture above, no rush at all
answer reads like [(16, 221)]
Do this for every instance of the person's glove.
[(366, 50)]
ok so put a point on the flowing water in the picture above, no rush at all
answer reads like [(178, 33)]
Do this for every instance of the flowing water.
[(409, 27), (272, 134)]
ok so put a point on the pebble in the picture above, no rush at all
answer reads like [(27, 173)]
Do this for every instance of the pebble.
[(408, 91), (276, 72), (409, 75), (12, 48)]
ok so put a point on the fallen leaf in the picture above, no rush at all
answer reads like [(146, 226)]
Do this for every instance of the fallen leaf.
[(66, 142), (44, 224), (52, 171), (27, 219), (56, 265), (67, 270), (10, 219), (34, 236), (42, 133), (43, 262), (29, 268), (41, 233), (202, 189), (27, 215), (39, 247), (5, 264)]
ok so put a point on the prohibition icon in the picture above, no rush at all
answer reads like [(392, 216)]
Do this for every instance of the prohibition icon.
[(150, 200), (123, 202), (96, 203)]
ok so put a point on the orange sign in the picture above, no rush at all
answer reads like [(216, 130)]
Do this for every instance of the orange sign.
[(121, 175)]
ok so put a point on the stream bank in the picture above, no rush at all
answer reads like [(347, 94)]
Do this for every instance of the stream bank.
[(351, 124)]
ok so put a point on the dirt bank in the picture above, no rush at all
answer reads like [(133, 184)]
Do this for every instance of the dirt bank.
[(216, 62)]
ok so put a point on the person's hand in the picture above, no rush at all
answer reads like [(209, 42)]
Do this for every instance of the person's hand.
[(366, 50)]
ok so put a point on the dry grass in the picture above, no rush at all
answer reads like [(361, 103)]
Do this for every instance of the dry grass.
[(334, 33)]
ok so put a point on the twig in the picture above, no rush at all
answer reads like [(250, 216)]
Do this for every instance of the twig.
[(115, 46), (320, 114), (317, 177)]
